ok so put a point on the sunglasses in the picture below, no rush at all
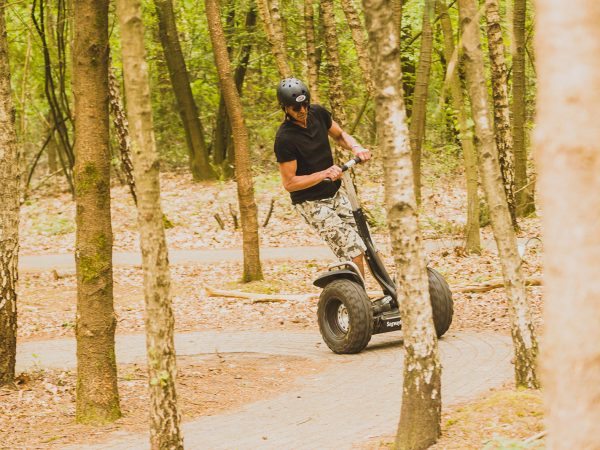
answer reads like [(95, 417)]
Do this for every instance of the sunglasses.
[(299, 106)]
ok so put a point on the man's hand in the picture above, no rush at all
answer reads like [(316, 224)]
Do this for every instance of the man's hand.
[(363, 153), (333, 173)]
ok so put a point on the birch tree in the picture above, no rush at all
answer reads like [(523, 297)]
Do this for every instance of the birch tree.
[(336, 91), (472, 235), (160, 346), (275, 36), (523, 192), (97, 395), (419, 105), (567, 150), (248, 212), (311, 51), (522, 331), (502, 130), (9, 215), (419, 425), (360, 42)]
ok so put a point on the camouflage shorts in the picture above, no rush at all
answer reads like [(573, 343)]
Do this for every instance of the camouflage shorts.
[(332, 218)]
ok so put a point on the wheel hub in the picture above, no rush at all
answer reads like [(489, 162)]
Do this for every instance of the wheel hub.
[(342, 318)]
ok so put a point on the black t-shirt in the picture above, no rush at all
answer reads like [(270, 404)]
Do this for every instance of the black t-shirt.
[(310, 148)]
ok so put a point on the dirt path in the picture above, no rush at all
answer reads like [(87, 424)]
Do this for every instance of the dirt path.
[(35, 263), (355, 400)]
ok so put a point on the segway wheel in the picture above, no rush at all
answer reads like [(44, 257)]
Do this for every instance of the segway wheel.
[(442, 305), (345, 316)]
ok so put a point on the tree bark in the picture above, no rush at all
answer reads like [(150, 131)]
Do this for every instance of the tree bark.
[(336, 92), (523, 336), (248, 212), (122, 129), (97, 396), (311, 51), (360, 42), (9, 215), (473, 241), (160, 346), (567, 150), (188, 111), (523, 195), (419, 425), (223, 143), (419, 106), (503, 133), (275, 37)]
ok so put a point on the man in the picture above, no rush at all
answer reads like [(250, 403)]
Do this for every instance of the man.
[(305, 161)]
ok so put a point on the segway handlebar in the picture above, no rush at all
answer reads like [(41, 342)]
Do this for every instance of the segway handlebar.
[(345, 166)]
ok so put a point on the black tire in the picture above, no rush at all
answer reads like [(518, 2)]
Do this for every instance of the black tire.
[(345, 316), (442, 305)]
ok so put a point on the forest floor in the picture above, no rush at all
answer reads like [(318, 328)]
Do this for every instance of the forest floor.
[(47, 300)]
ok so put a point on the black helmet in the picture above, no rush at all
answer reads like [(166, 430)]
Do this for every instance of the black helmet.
[(292, 91)]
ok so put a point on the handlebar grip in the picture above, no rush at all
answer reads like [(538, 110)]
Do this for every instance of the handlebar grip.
[(344, 167)]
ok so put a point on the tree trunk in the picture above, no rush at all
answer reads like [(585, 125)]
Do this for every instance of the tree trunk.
[(504, 141), (419, 425), (522, 331), (360, 42), (567, 150), (243, 171), (275, 37), (122, 130), (523, 195), (223, 143), (198, 154), (336, 90), (473, 242), (311, 51), (397, 13), (9, 215), (419, 106), (97, 396), (160, 347)]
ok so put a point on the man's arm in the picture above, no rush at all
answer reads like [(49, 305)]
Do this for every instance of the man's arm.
[(346, 141), (292, 182)]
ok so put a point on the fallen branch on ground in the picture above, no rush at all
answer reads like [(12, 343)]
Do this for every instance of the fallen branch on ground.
[(257, 297), (274, 298), (493, 284)]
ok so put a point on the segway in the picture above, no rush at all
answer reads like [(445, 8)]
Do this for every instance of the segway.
[(347, 316)]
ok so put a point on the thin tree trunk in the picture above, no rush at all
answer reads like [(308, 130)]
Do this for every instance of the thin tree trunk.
[(473, 242), (336, 95), (198, 153), (360, 42), (336, 91), (523, 336), (504, 140), (419, 106), (311, 50), (160, 346), (523, 195), (419, 425), (275, 37), (122, 129), (97, 396), (248, 212), (9, 215), (567, 150), (223, 143)]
